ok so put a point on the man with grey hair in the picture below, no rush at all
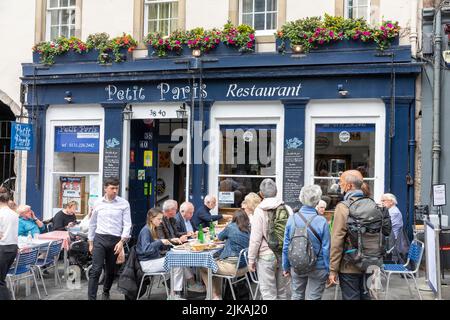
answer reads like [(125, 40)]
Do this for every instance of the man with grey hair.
[(319, 235), (168, 227), (264, 251), (203, 214), (389, 201), (184, 217)]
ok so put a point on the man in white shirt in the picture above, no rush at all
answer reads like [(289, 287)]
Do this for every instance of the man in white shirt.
[(389, 201), (109, 229), (9, 226)]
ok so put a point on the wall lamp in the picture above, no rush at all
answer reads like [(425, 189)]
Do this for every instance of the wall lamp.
[(342, 92), (68, 97), (181, 112), (127, 112), (196, 53)]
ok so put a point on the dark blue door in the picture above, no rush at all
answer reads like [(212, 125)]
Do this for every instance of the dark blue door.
[(141, 193)]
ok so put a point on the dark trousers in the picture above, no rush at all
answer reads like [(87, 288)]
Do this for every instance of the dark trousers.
[(7, 255), (352, 286), (103, 254)]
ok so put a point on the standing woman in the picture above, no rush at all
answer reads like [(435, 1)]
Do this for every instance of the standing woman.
[(251, 201), (9, 226)]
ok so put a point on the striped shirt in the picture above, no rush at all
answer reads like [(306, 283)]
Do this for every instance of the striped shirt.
[(110, 218)]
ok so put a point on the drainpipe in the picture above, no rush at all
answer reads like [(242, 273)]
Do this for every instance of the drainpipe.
[(437, 95), (413, 34)]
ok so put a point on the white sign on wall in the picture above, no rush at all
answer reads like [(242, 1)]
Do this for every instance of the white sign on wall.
[(439, 198), (226, 197)]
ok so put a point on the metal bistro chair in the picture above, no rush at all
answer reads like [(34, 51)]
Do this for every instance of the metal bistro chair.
[(50, 261), (23, 269), (253, 277), (164, 275), (238, 275), (415, 256)]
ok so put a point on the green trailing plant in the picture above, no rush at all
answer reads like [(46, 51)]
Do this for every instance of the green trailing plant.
[(124, 41), (100, 42), (313, 32), (242, 36)]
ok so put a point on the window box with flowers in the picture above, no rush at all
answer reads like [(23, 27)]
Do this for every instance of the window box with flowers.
[(335, 33), (236, 39), (63, 50), (168, 46)]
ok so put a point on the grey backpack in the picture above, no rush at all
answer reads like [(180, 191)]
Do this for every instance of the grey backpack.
[(301, 254)]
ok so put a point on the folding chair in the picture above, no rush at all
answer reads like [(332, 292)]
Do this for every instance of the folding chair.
[(23, 269), (414, 256), (164, 275), (50, 261), (253, 277), (238, 275)]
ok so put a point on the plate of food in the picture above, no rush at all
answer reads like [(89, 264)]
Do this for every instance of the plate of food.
[(217, 241), (198, 247), (180, 247)]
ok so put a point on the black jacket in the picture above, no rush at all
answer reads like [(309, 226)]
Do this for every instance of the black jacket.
[(181, 227), (131, 277), (203, 216), (168, 229)]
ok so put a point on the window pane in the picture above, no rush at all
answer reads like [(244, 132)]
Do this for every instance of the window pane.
[(152, 11), (362, 13), (174, 13), (53, 4), (173, 25), (363, 2), (72, 3), (72, 31), (64, 3), (271, 5), (152, 26), (164, 27), (72, 17), (271, 21), (164, 10), (260, 5), (248, 151), (54, 32), (65, 31), (54, 17), (247, 19), (65, 19), (247, 6), (232, 191), (350, 4), (259, 21)]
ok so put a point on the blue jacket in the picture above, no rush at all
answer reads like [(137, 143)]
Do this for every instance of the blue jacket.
[(28, 225), (320, 225), (236, 240), (147, 248), (203, 216)]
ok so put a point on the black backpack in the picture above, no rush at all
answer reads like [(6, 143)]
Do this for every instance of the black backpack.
[(367, 226)]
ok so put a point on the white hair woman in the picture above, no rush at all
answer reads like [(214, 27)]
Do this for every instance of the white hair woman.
[(319, 234), (250, 203), (321, 206)]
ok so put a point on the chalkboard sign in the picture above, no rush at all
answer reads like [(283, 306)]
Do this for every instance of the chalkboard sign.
[(293, 175), (111, 163)]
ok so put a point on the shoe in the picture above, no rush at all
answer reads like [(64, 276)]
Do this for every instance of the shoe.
[(105, 296), (175, 297), (196, 287)]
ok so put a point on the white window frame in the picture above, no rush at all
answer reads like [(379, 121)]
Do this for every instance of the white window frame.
[(350, 111), (146, 18), (265, 32), (60, 25), (225, 113), (60, 116), (346, 9)]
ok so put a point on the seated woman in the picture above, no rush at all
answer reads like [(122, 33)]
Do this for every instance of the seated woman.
[(237, 236), (150, 250), (65, 218), (28, 223)]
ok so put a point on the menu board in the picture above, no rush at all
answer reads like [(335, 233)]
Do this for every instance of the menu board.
[(111, 163), (293, 175)]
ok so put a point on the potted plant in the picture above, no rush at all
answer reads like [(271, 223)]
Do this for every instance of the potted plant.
[(122, 46), (62, 50), (171, 45), (202, 41), (241, 38), (297, 33), (98, 44)]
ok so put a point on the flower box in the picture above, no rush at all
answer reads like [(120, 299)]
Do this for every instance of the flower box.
[(70, 57), (185, 51), (224, 49)]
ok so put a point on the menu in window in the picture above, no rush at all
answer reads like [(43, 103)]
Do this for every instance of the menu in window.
[(72, 189), (293, 175), (111, 163)]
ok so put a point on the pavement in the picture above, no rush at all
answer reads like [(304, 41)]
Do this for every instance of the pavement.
[(398, 290)]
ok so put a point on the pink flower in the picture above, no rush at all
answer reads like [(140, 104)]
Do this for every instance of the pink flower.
[(305, 36), (177, 42), (321, 41), (206, 39), (340, 34), (169, 47), (161, 41), (251, 36), (366, 33), (231, 41), (310, 40), (389, 25), (332, 34), (355, 37), (249, 45), (382, 28), (217, 41)]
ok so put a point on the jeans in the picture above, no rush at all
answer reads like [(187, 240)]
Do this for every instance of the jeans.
[(7, 255), (315, 280), (352, 286), (272, 284), (103, 253)]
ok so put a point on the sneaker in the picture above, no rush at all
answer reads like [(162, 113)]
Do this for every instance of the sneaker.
[(105, 296), (175, 297), (196, 287)]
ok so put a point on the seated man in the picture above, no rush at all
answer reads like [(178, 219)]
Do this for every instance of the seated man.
[(203, 214), (183, 219), (65, 218), (28, 223)]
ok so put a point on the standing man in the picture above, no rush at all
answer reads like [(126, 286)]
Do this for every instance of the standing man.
[(203, 214), (9, 224), (351, 278), (389, 201), (109, 229)]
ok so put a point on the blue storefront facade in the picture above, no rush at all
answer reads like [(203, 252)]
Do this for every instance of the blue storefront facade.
[(318, 114)]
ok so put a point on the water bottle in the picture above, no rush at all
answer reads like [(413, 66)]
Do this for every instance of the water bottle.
[(29, 237), (212, 231), (201, 235)]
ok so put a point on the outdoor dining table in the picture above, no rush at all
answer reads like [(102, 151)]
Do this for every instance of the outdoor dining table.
[(60, 235), (186, 258)]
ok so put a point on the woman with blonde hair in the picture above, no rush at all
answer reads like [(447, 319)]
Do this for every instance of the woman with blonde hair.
[(251, 201)]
